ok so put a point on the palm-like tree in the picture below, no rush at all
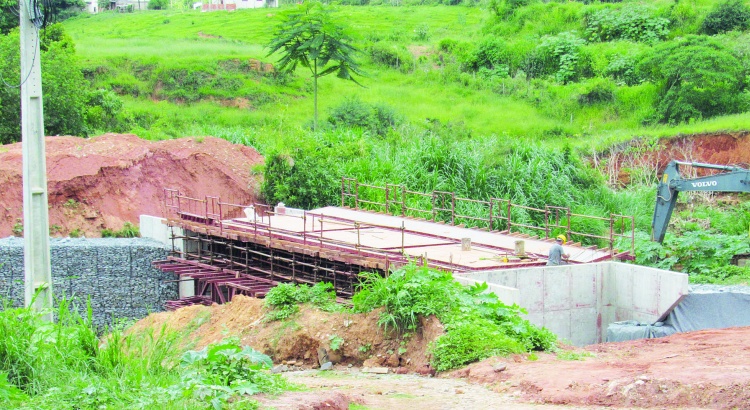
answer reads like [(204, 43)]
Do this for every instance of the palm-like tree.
[(309, 36)]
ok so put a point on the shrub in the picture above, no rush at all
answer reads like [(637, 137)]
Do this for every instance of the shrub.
[(307, 180), (226, 371), (727, 16), (634, 23), (283, 300), (624, 70), (353, 113), (684, 18), (391, 56), (447, 45), (128, 231), (490, 53), (561, 56), (698, 78), (505, 8), (477, 324), (422, 32), (705, 254), (104, 108), (470, 343), (598, 91), (158, 4)]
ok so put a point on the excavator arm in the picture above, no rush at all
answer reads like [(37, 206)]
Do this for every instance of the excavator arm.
[(733, 179)]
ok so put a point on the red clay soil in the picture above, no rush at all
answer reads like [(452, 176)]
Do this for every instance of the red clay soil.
[(707, 369), (720, 149), (106, 181), (704, 369)]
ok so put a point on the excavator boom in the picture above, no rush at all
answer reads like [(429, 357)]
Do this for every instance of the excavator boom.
[(733, 179)]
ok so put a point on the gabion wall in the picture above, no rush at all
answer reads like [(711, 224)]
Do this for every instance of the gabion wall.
[(115, 273)]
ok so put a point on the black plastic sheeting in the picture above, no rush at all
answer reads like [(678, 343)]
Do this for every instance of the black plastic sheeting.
[(705, 307)]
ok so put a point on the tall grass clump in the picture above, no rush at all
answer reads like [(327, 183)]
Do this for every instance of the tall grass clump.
[(66, 364), (477, 324)]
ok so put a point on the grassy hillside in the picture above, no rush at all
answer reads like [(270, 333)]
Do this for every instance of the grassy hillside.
[(135, 54), (503, 99)]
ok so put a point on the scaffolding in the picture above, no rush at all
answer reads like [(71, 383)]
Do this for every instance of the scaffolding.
[(231, 249)]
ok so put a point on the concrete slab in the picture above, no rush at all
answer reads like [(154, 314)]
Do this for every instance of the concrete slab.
[(583, 326), (531, 285), (588, 297), (533, 246), (557, 288), (583, 286), (558, 322)]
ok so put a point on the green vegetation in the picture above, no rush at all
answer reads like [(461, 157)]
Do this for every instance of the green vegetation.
[(497, 98), (310, 37), (335, 342), (570, 355), (223, 371), (283, 300), (64, 365), (528, 73), (128, 231), (18, 227), (477, 324)]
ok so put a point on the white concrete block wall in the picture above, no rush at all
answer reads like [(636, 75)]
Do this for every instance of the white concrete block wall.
[(578, 302), (672, 288), (530, 282), (155, 228), (558, 321), (506, 294), (645, 292)]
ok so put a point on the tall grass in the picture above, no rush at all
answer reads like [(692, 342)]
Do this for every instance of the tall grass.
[(66, 364)]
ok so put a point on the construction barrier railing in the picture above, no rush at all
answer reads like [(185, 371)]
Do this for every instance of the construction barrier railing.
[(255, 219), (495, 214)]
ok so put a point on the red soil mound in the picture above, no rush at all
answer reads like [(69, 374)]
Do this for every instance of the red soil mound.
[(706, 369), (106, 181)]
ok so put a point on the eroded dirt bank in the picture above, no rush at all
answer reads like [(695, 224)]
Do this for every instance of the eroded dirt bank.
[(705, 369), (105, 181)]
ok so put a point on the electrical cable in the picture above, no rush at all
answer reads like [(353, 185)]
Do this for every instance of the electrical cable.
[(35, 46)]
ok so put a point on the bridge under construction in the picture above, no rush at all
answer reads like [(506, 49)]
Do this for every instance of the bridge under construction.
[(225, 249)]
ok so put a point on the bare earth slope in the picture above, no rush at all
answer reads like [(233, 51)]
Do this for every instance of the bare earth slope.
[(705, 369), (106, 181)]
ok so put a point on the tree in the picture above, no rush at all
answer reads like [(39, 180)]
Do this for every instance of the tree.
[(698, 78), (65, 89), (309, 36), (727, 16), (53, 10)]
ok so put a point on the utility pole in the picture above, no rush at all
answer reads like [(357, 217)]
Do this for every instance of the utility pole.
[(36, 256)]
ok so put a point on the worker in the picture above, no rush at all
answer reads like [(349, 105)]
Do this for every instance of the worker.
[(556, 252)]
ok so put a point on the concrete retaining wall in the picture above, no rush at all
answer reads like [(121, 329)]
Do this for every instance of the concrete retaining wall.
[(578, 302), (115, 273)]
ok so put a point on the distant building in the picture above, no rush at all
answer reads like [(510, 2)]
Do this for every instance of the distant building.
[(92, 6), (230, 5)]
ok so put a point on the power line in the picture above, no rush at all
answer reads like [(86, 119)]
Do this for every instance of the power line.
[(37, 19)]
